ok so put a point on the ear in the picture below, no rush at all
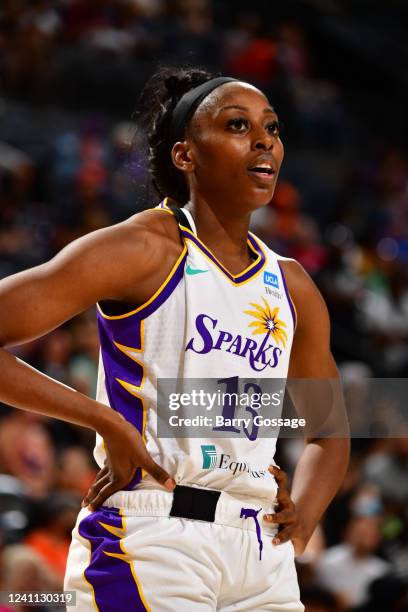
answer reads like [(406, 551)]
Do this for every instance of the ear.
[(182, 156)]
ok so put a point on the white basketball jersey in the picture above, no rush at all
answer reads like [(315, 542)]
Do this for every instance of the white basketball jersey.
[(202, 323)]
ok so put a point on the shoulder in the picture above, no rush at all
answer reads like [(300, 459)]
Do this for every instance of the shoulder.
[(145, 237), (126, 262), (312, 336), (297, 279), (122, 260), (154, 227), (142, 251), (304, 293), (156, 220)]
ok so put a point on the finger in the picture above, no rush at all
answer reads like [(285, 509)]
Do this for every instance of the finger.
[(98, 476), (103, 495), (104, 469), (101, 475), (283, 536), (286, 516), (94, 490), (283, 497), (280, 475), (157, 472)]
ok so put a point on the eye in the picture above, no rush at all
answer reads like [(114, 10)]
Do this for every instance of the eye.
[(238, 124), (274, 128)]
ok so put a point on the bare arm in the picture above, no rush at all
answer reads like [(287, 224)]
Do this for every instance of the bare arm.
[(120, 262), (323, 463)]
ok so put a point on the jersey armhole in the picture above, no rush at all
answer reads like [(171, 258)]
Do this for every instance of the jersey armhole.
[(288, 296), (116, 309), (159, 297)]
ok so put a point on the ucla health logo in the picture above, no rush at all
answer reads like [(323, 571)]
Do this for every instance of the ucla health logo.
[(271, 279), (213, 460), (209, 456), (261, 354)]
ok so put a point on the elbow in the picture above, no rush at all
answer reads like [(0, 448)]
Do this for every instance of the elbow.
[(340, 445)]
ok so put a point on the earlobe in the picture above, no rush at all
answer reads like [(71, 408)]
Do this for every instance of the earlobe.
[(182, 156)]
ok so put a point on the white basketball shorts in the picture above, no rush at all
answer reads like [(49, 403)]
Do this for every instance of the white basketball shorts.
[(131, 555)]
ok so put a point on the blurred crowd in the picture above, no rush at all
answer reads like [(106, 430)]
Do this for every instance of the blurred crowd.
[(70, 74)]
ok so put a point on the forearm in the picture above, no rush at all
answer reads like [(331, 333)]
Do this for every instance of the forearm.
[(22, 386), (318, 475)]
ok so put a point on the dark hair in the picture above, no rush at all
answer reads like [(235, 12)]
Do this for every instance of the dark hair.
[(157, 102)]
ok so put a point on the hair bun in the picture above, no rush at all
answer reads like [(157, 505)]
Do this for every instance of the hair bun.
[(172, 84)]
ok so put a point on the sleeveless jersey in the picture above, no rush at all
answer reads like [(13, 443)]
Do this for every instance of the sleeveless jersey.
[(203, 322)]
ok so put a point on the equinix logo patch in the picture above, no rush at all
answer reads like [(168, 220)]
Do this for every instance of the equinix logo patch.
[(209, 456), (212, 459)]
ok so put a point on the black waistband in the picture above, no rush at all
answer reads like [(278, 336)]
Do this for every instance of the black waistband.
[(193, 503)]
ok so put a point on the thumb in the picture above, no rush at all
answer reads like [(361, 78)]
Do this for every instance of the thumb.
[(157, 472)]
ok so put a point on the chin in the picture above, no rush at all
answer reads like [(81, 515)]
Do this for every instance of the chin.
[(247, 200), (261, 198)]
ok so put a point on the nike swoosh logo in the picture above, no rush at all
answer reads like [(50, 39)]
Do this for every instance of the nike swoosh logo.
[(191, 271)]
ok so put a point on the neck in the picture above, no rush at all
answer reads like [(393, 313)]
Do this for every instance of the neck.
[(221, 230)]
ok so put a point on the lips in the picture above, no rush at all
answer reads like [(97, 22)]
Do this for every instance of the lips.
[(262, 175), (263, 168)]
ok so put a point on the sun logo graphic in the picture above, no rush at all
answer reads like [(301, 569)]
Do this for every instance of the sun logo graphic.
[(209, 456), (261, 353), (267, 322)]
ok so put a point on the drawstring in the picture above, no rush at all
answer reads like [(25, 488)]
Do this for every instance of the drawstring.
[(250, 513)]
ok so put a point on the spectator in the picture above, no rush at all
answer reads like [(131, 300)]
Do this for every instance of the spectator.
[(26, 451), (347, 569), (316, 599), (71, 73), (51, 539), (22, 570), (388, 468)]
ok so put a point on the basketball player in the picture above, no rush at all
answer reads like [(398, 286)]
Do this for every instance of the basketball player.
[(174, 524)]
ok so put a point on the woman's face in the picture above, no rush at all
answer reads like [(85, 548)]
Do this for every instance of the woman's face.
[(233, 150)]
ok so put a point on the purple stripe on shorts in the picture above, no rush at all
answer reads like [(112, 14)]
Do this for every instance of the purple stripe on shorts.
[(112, 579), (292, 310)]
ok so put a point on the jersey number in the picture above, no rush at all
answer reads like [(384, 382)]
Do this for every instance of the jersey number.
[(231, 394)]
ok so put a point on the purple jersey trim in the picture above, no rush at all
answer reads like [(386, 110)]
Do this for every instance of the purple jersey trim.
[(161, 295), (119, 366), (292, 310), (167, 290), (110, 572), (236, 279)]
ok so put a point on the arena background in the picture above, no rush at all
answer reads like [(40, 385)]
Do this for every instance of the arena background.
[(70, 74)]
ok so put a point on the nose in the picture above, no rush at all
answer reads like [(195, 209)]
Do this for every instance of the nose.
[(263, 141)]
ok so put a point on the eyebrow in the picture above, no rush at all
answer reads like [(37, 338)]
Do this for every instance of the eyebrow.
[(269, 109)]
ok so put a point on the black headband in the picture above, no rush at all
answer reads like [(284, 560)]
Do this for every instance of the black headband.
[(188, 103)]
